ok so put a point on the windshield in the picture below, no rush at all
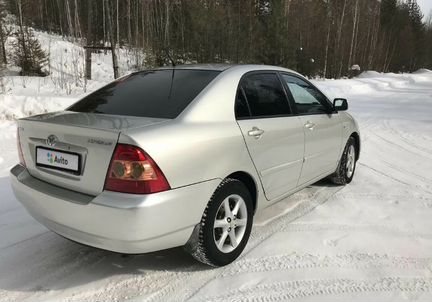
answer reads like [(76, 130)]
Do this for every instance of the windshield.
[(155, 93)]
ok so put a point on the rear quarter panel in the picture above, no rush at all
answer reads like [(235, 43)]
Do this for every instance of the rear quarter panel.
[(193, 152)]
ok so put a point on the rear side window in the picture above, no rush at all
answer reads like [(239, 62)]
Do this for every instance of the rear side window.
[(265, 95), (157, 93)]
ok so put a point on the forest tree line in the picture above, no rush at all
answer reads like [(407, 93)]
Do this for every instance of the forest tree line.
[(316, 37)]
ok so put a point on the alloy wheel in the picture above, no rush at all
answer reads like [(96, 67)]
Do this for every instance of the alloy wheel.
[(230, 223), (350, 165)]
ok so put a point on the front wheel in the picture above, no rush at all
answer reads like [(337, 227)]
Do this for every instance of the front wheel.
[(347, 164), (225, 225)]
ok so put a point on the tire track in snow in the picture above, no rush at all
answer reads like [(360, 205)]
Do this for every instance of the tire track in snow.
[(403, 138), (400, 146), (288, 290), (296, 261), (384, 174), (405, 171), (154, 284), (398, 168), (25, 240), (393, 178), (388, 229)]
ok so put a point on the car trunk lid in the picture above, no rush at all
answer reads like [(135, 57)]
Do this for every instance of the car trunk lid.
[(90, 137)]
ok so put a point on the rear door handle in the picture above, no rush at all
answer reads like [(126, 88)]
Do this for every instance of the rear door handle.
[(256, 132), (310, 125)]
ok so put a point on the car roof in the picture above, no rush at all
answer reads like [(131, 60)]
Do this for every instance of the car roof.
[(215, 67), (223, 67)]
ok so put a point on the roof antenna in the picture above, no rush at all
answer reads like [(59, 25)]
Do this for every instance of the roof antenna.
[(170, 58), (173, 71)]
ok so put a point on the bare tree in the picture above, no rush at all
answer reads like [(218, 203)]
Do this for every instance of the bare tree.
[(21, 29), (77, 21), (104, 20), (69, 18), (339, 38), (129, 27), (3, 57), (112, 39), (117, 22), (354, 26)]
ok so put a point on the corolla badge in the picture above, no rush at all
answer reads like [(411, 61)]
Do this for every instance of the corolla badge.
[(51, 140), (99, 142)]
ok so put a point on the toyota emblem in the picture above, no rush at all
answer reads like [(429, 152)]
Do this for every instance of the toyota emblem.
[(51, 140)]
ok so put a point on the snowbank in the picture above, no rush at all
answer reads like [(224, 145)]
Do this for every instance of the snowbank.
[(17, 106), (423, 71), (372, 82)]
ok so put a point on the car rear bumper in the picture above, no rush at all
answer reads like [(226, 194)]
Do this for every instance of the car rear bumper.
[(125, 223)]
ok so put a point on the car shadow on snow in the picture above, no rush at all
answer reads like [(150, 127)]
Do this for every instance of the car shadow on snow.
[(326, 182)]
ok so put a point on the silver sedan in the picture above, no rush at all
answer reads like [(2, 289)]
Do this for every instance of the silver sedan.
[(181, 156)]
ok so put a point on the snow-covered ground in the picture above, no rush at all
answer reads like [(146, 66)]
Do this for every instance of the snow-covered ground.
[(370, 240)]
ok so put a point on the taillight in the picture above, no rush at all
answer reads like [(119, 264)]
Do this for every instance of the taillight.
[(20, 153), (133, 171)]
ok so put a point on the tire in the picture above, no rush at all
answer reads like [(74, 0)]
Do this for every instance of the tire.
[(234, 227), (347, 164)]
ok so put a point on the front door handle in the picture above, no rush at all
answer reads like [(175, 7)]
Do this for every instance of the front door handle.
[(256, 132), (310, 125)]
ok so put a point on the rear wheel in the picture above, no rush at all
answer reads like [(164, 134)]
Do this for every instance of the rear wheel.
[(347, 164), (225, 226)]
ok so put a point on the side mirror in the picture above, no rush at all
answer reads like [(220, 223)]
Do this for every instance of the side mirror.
[(340, 105)]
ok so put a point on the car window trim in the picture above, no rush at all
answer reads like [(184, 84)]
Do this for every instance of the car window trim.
[(251, 117), (281, 73), (288, 94), (240, 90), (265, 117)]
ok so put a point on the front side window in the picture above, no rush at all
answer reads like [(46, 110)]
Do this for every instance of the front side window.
[(154, 93), (265, 95), (307, 98)]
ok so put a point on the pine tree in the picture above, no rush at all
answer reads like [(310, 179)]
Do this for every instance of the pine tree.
[(429, 41), (27, 53), (418, 30), (388, 13)]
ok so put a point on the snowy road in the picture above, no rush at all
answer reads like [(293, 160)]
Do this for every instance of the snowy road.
[(369, 240)]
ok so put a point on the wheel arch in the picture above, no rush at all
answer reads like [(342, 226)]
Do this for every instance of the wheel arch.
[(250, 183), (356, 137)]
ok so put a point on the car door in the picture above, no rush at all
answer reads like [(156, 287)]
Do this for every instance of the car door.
[(321, 125), (273, 135)]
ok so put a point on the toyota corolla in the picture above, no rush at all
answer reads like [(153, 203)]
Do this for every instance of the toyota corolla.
[(181, 156)]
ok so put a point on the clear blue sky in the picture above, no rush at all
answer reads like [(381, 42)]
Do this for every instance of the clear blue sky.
[(426, 6)]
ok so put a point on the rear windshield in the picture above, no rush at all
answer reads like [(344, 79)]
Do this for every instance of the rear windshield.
[(156, 93)]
